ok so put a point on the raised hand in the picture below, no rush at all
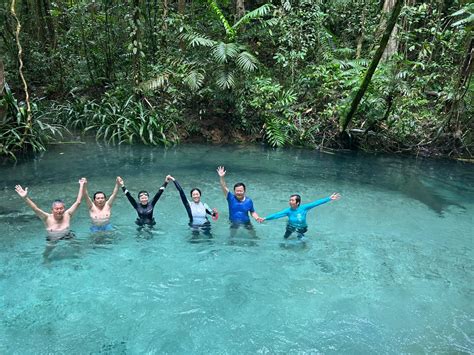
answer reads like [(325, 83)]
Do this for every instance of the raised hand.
[(20, 191), (335, 196), (221, 171)]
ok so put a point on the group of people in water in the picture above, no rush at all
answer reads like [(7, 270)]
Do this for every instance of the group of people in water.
[(240, 206)]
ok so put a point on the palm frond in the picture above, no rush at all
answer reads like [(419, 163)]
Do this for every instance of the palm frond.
[(222, 51), (194, 80), (246, 61), (194, 39), (225, 80), (158, 82), (257, 13)]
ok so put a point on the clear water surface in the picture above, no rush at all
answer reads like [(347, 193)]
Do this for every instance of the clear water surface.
[(387, 269)]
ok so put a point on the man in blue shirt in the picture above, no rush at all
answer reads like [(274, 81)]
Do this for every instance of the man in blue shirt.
[(296, 214), (239, 206)]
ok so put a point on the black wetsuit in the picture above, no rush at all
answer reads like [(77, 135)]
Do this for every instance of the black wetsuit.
[(145, 212)]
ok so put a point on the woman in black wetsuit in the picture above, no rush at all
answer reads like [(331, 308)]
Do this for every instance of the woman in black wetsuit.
[(145, 207)]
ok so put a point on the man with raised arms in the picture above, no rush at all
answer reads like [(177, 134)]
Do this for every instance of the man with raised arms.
[(58, 222), (100, 209)]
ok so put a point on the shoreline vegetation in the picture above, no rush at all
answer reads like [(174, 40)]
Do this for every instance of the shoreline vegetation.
[(389, 76)]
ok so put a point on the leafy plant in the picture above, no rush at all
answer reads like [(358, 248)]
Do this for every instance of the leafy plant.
[(17, 135)]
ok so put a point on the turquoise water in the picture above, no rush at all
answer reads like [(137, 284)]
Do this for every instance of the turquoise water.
[(387, 269)]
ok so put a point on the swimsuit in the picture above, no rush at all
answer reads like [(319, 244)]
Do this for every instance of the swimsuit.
[(104, 228), (145, 212), (197, 212), (297, 217), (64, 234)]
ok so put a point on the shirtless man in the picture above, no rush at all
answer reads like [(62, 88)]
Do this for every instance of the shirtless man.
[(57, 223), (100, 210)]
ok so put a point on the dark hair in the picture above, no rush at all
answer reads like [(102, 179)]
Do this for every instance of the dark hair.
[(239, 184), (195, 189), (143, 192), (56, 202), (99, 192), (297, 198)]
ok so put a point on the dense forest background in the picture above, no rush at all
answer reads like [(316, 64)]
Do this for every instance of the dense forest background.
[(387, 75)]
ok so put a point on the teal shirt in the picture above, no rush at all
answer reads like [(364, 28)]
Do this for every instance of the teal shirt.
[(297, 217)]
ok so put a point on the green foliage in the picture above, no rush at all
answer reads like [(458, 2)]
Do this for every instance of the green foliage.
[(17, 135), (116, 119), (467, 14), (267, 105), (282, 73)]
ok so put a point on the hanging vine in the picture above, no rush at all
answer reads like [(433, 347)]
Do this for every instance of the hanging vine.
[(20, 68)]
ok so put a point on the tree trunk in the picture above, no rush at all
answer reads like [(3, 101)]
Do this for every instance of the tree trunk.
[(2, 87), (181, 6), (373, 65), (360, 38), (240, 9), (86, 52), (165, 15), (40, 21), (2, 77), (136, 44), (109, 58), (49, 23), (392, 45)]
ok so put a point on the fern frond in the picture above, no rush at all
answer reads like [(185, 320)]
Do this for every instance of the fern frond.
[(275, 133)]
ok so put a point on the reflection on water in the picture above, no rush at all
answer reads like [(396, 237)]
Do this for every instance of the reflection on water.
[(386, 269)]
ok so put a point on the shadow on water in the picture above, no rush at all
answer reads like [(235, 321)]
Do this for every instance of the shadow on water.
[(411, 186), (413, 178)]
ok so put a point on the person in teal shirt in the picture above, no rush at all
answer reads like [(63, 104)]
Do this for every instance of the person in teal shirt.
[(297, 212)]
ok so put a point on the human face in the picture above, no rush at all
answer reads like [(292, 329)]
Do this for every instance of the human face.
[(143, 198), (239, 192), (196, 196), (293, 203), (58, 211), (99, 200)]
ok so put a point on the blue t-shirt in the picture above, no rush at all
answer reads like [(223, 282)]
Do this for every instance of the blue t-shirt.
[(239, 210), (297, 217)]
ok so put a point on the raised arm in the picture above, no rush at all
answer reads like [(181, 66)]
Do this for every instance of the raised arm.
[(127, 193), (24, 195), (333, 197), (184, 200), (71, 210), (160, 191), (112, 197), (221, 171), (89, 202)]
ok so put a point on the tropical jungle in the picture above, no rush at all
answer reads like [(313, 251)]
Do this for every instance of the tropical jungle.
[(378, 76)]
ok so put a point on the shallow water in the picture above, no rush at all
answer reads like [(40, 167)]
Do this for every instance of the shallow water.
[(387, 269)]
